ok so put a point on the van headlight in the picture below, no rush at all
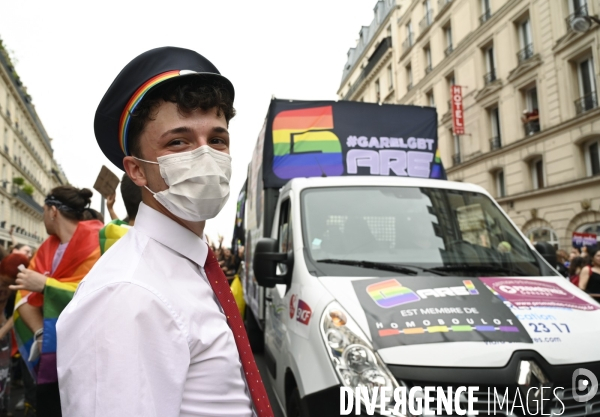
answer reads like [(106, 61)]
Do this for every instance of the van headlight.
[(352, 355)]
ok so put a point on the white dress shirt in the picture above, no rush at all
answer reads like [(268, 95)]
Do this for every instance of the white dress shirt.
[(144, 335)]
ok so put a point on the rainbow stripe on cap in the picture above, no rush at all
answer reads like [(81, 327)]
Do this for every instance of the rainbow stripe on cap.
[(133, 102)]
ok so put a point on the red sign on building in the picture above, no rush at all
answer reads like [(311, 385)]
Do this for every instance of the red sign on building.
[(458, 116)]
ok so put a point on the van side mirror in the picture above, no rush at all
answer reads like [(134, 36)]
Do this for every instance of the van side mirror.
[(264, 264)]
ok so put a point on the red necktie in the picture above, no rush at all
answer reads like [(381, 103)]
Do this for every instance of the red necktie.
[(220, 286)]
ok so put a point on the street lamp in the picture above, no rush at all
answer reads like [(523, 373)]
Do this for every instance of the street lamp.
[(582, 24)]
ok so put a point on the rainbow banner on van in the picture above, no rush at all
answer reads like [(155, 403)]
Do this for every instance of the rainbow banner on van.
[(328, 138), (304, 144)]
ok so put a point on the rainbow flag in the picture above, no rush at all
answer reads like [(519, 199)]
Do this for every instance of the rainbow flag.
[(112, 232), (80, 256)]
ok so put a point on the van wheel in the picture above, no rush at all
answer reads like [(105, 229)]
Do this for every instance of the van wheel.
[(255, 334), (294, 405)]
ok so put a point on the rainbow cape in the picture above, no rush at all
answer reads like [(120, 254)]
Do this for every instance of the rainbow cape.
[(80, 256), (112, 232)]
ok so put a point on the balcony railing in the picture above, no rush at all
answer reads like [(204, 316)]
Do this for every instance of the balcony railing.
[(28, 200), (426, 21), (525, 53), (490, 77), (408, 43), (380, 51), (532, 127), (587, 102), (495, 143), (485, 16), (456, 159), (428, 69), (448, 50), (442, 4), (582, 11)]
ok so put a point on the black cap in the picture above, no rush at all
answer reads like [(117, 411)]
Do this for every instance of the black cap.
[(137, 78)]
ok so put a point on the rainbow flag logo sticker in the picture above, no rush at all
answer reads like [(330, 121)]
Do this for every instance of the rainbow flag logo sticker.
[(470, 287), (391, 293)]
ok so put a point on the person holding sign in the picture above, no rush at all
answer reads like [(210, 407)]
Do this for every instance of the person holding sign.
[(154, 330), (116, 229)]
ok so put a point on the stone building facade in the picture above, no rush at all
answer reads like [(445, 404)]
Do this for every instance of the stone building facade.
[(529, 85), (28, 170)]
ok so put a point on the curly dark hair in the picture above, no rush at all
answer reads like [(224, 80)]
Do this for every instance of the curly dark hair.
[(189, 93)]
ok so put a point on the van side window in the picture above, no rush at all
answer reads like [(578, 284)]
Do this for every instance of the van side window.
[(284, 237)]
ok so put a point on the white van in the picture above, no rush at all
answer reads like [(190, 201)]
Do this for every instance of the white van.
[(387, 281)]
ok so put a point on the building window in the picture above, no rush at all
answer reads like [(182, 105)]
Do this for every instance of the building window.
[(576, 5), (377, 91), (587, 86), (543, 234), (500, 188), (448, 37), (486, 11), (409, 78), (531, 115), (408, 42), (592, 158), (577, 8), (537, 173), (427, 15), (490, 65), (430, 99), (590, 228), (390, 76), (496, 140), (525, 40), (428, 62), (450, 81)]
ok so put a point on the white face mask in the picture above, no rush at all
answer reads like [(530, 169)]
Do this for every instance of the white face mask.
[(198, 183)]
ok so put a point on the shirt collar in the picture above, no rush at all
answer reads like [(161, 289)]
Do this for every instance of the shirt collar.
[(166, 231)]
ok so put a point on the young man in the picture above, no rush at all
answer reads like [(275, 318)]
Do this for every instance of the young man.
[(153, 330)]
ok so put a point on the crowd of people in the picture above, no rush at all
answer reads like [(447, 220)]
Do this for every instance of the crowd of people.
[(582, 267), (77, 239), (230, 260), (36, 284)]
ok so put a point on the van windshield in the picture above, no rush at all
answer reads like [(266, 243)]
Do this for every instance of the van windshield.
[(447, 231)]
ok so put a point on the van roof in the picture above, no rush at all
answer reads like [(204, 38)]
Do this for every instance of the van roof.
[(349, 181)]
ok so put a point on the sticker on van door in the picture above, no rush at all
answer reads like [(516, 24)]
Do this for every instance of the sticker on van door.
[(550, 311), (417, 310), (525, 293), (300, 315), (299, 310)]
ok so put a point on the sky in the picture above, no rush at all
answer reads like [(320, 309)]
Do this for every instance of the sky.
[(67, 54)]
